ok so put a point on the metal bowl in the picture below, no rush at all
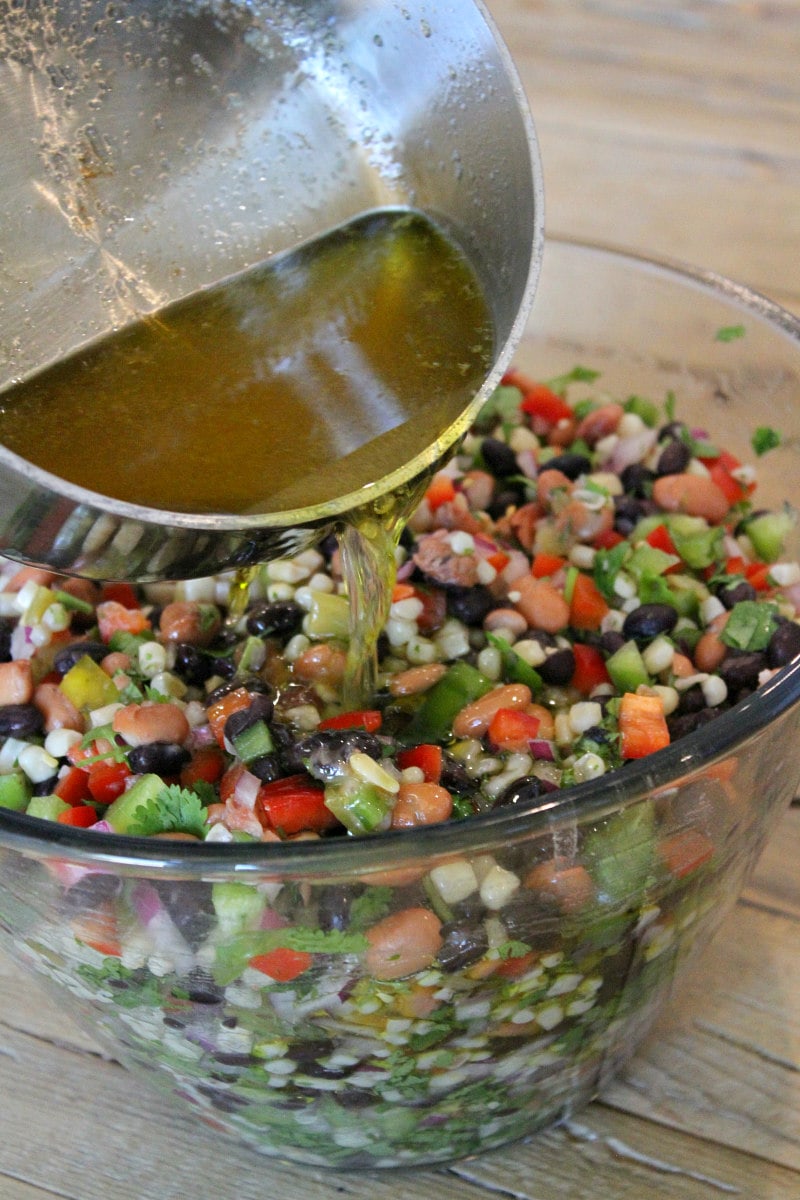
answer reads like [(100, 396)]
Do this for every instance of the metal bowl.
[(153, 149)]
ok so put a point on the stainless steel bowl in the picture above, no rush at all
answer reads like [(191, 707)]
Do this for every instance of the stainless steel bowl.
[(154, 148)]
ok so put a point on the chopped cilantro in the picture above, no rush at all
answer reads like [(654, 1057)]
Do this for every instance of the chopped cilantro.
[(115, 752), (123, 642), (577, 375), (645, 409), (607, 566), (670, 404), (750, 625), (512, 949), (174, 809), (729, 333), (369, 907), (764, 438)]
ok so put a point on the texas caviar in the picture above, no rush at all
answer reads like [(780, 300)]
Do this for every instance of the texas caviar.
[(586, 582)]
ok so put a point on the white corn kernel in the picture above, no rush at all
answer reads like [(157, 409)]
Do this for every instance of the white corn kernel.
[(454, 881), (204, 591), (321, 583), (498, 886), (152, 659), (104, 715), (630, 425), (167, 684), (710, 608), (56, 617), (462, 542), (279, 591), (37, 764), (420, 650), (582, 556), (588, 766), (490, 663), (563, 729), (453, 640), (486, 572), (658, 656), (668, 696), (624, 586), (286, 570), (296, 646), (715, 690), (407, 610), (784, 574), (584, 715), (10, 752), (399, 632), (60, 741), (530, 651), (522, 438)]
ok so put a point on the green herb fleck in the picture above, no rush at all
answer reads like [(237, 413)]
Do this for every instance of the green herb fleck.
[(750, 625), (577, 375), (173, 810), (729, 333), (764, 438)]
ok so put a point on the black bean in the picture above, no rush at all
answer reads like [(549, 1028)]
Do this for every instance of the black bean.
[(558, 668), (674, 458), (742, 670), (193, 665), (6, 630), (455, 778), (648, 621), (250, 683), (627, 514), (281, 618), (529, 787), (45, 786), (190, 906), (611, 641), (335, 901), (637, 480), (509, 497), (571, 465), (533, 917), (66, 658), (20, 720), (499, 457), (260, 708), (692, 700), (733, 594), (230, 1058), (221, 1099), (784, 644), (158, 758), (267, 767), (674, 429), (308, 1050), (461, 946), (92, 891), (324, 753), (470, 605)]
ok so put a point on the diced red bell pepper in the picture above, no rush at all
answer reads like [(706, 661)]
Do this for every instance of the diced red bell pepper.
[(587, 605), (499, 560), (295, 804), (73, 786), (441, 490), (541, 401), (107, 780), (721, 469), (122, 593), (544, 565), (757, 575), (642, 725), (513, 729), (590, 669), (685, 851), (607, 540), (426, 757), (282, 964), (206, 765), (81, 816), (369, 719)]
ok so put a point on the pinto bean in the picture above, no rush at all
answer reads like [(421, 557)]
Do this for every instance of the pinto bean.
[(577, 522), (475, 718), (322, 662), (27, 574), (505, 618), (599, 423), (710, 650), (478, 487), (82, 589), (403, 943), (16, 682), (115, 662), (547, 724), (140, 724), (57, 711), (541, 604), (421, 804), (550, 481), (696, 495), (416, 679), (571, 886), (189, 621)]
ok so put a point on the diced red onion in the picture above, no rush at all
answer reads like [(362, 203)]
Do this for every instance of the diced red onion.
[(146, 902), (102, 827), (630, 450), (246, 790), (541, 748)]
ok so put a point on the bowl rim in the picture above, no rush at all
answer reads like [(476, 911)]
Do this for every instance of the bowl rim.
[(594, 799)]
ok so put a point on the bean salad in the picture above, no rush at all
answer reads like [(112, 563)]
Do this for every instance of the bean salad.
[(589, 580)]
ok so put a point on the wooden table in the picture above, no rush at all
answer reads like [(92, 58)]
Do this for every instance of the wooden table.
[(664, 127)]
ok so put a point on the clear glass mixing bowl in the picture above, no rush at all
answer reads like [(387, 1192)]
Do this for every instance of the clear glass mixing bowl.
[(366, 1060)]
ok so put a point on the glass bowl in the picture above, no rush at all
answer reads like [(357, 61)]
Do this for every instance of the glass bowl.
[(373, 1056)]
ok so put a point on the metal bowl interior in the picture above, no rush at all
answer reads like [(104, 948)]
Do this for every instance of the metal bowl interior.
[(156, 152)]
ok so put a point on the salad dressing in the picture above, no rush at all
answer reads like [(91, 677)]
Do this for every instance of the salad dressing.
[(289, 385)]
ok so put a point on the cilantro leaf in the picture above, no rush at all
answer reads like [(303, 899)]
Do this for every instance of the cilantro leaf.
[(764, 438), (173, 810), (515, 668), (750, 625), (577, 375), (512, 949), (729, 333), (369, 907), (115, 752), (607, 566), (128, 643)]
